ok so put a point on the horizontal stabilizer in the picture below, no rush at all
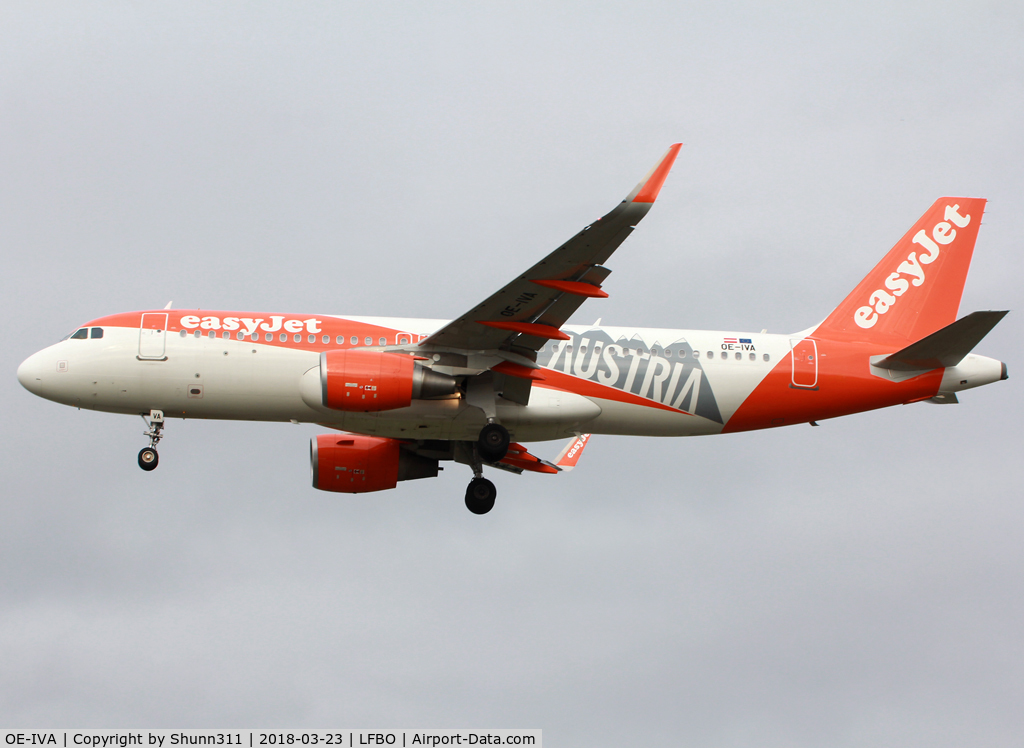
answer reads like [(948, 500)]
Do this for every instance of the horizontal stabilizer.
[(946, 347)]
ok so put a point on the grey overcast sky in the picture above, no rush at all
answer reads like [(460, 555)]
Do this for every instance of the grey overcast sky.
[(861, 583)]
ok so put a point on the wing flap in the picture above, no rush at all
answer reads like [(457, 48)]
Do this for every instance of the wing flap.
[(520, 458)]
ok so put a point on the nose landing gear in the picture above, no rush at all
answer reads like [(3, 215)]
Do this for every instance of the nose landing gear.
[(148, 457)]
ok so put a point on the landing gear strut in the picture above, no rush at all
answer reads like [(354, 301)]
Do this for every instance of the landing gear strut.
[(148, 457), (481, 492)]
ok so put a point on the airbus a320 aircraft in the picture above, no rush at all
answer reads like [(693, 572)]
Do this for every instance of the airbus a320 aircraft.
[(405, 394)]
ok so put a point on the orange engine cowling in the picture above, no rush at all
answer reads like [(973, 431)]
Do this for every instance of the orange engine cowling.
[(368, 381), (350, 463)]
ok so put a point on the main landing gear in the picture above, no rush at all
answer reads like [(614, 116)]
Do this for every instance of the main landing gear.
[(148, 457), (492, 446), (493, 442), (480, 495)]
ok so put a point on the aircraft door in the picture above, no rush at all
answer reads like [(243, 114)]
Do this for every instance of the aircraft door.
[(153, 336), (804, 357)]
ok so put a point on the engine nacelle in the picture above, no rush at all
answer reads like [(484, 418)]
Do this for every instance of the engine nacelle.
[(368, 381), (350, 463)]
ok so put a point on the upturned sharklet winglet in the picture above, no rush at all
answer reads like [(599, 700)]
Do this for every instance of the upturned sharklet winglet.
[(649, 187), (571, 453), (946, 347)]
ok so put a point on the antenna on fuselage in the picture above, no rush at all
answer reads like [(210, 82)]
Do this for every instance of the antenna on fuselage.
[(168, 305)]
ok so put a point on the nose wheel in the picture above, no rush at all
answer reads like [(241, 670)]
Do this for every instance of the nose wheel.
[(148, 457)]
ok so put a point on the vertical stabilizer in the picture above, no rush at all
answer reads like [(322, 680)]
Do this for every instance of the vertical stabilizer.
[(916, 288)]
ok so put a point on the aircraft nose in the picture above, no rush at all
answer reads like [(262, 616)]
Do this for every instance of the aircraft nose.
[(30, 374)]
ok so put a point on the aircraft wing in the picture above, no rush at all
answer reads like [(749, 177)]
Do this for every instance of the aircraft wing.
[(538, 302)]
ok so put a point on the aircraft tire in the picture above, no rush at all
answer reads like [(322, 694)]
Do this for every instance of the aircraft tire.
[(480, 496), (148, 459), (493, 442)]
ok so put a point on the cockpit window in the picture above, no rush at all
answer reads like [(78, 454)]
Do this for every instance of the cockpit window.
[(81, 334), (97, 332)]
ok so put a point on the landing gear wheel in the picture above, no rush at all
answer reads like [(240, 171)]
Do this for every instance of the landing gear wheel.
[(480, 496), (493, 442), (148, 458)]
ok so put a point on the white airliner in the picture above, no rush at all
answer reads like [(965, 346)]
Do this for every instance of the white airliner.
[(403, 394)]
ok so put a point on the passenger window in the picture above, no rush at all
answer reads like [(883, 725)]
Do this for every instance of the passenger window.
[(225, 335), (340, 339), (403, 341), (696, 354), (255, 337), (283, 337), (312, 338), (383, 341), (711, 354), (297, 337), (211, 335), (241, 334), (355, 340), (625, 351), (196, 334), (270, 336), (97, 332), (766, 357), (668, 353), (327, 339), (654, 352), (753, 357), (183, 333), (369, 340), (739, 356), (725, 355)]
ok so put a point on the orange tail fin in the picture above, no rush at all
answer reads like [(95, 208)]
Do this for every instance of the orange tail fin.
[(916, 288)]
